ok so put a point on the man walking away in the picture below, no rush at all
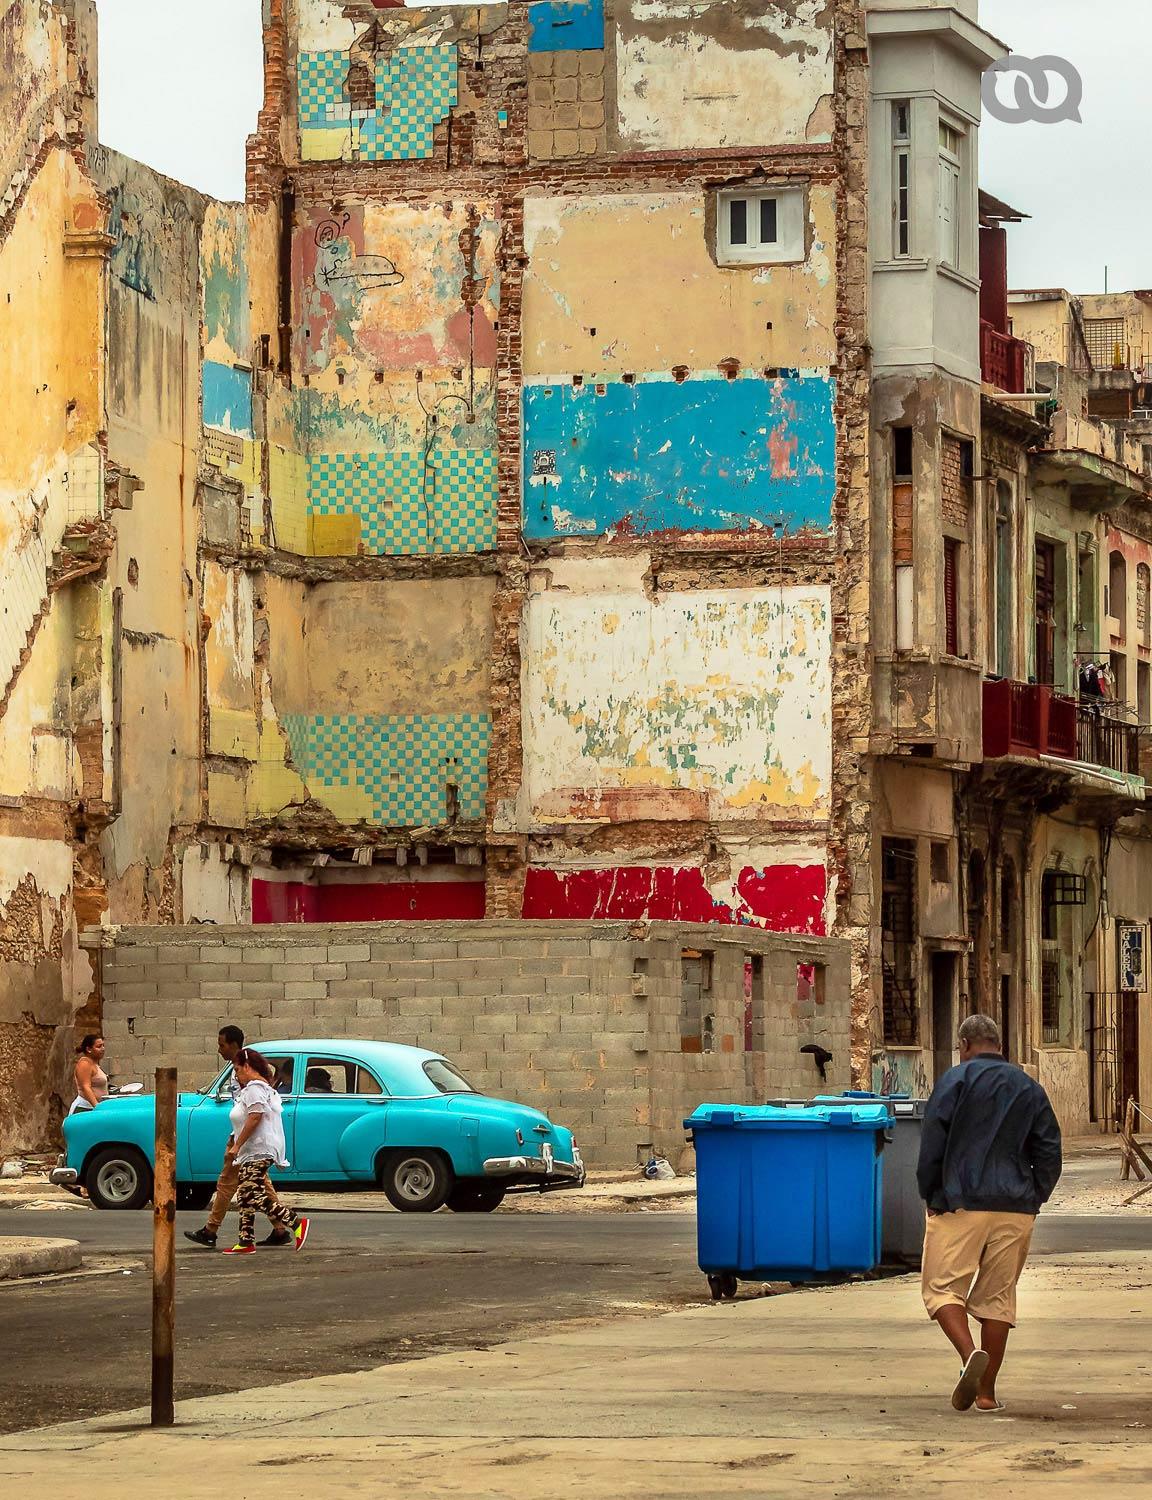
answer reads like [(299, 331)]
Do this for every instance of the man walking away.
[(228, 1044), (989, 1160)]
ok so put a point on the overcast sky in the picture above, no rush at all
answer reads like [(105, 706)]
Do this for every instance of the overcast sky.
[(180, 89)]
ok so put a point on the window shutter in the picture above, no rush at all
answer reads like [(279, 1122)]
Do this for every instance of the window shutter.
[(951, 620)]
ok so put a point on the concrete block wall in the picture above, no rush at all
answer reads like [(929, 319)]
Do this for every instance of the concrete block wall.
[(581, 1019)]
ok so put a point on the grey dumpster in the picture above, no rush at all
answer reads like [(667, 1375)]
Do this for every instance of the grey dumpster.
[(902, 1234)]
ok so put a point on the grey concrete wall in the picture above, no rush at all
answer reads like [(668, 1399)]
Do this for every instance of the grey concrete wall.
[(582, 1019)]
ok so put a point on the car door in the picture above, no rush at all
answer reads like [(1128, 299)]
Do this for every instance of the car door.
[(209, 1121), (336, 1091)]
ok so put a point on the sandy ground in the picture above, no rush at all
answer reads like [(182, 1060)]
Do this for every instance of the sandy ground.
[(838, 1393)]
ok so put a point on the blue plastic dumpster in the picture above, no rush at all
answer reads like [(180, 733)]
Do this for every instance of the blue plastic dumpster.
[(787, 1194)]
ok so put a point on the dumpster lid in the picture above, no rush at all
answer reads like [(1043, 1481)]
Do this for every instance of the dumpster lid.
[(829, 1113), (902, 1106)]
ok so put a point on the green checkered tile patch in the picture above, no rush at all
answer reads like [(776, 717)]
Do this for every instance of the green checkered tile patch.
[(415, 90), (408, 505), (402, 765), (320, 95)]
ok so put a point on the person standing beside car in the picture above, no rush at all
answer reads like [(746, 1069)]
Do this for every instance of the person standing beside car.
[(257, 1144), (91, 1079)]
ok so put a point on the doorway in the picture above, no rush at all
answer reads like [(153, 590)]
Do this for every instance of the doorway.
[(1129, 1050), (943, 1013), (1006, 1015)]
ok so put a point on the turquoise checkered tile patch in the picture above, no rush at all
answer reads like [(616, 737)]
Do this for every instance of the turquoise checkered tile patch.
[(415, 89), (321, 95), (408, 506), (401, 765)]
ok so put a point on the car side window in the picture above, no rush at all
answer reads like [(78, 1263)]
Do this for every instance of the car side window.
[(282, 1077), (329, 1075), (367, 1083)]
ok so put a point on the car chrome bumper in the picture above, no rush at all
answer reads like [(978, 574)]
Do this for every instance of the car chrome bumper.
[(65, 1177), (535, 1171)]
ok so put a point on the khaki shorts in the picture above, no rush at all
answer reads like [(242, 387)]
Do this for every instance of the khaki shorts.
[(974, 1260)]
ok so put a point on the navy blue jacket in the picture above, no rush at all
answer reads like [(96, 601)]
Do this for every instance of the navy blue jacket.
[(990, 1140)]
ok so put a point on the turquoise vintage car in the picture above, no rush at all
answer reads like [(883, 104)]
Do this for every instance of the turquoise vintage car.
[(355, 1113)]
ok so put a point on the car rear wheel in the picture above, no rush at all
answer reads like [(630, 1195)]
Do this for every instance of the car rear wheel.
[(476, 1197), (416, 1182), (118, 1177)]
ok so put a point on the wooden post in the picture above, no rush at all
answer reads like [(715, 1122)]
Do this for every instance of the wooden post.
[(164, 1248)]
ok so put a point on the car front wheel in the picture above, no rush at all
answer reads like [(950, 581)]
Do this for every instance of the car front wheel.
[(416, 1182), (118, 1177), (476, 1197)]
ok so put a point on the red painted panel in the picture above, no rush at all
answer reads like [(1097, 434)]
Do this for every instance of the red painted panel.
[(407, 901), (783, 898)]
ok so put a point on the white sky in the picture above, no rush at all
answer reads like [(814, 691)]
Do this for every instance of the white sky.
[(181, 84)]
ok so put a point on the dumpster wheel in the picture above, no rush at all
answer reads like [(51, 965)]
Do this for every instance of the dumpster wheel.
[(724, 1285)]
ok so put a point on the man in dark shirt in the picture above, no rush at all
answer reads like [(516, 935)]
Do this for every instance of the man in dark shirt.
[(989, 1159)]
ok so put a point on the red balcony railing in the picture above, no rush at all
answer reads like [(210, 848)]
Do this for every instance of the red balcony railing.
[(1030, 719), (1011, 719), (1003, 360)]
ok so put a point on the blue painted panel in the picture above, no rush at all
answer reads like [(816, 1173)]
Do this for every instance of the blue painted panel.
[(227, 398), (566, 26), (705, 455)]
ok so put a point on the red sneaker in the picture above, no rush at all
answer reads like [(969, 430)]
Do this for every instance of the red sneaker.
[(300, 1233), (239, 1250)]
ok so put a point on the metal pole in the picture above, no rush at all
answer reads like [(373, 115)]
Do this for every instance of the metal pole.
[(164, 1248)]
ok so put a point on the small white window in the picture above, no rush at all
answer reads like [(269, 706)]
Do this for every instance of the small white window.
[(760, 228), (902, 177), (949, 211)]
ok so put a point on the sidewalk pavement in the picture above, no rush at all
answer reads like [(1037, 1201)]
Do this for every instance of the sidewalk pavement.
[(838, 1392), (36, 1257)]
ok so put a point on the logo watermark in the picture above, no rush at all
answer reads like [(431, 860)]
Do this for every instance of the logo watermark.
[(1033, 90)]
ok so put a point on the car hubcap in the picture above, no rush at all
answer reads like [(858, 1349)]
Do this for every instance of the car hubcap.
[(415, 1180), (117, 1181)]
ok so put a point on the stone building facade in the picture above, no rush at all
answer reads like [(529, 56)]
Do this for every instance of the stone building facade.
[(568, 488)]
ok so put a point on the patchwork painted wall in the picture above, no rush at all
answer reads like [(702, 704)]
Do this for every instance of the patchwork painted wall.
[(714, 703), (604, 269), (397, 307), (383, 701), (613, 439), (781, 896), (654, 454), (696, 77)]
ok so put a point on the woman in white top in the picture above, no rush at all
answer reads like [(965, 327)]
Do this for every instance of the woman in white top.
[(257, 1143), (91, 1079)]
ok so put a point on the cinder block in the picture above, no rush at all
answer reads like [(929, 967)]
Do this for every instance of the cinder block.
[(306, 991), (213, 953), (139, 957), (263, 990), (223, 990), (296, 973), (367, 1006), (256, 955), (349, 953), (293, 1010), (312, 954), (420, 1007), (350, 989), (565, 984), (139, 993), (330, 971), (433, 949), (390, 989), (392, 952), (500, 1024)]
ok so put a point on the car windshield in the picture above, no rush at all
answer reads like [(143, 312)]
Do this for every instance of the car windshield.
[(447, 1079)]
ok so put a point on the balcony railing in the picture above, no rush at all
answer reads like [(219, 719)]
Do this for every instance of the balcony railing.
[(1004, 361), (1029, 719)]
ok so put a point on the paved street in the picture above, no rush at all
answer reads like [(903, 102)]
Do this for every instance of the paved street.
[(371, 1289)]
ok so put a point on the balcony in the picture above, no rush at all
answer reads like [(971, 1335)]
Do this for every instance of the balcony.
[(1028, 720), (1005, 362)]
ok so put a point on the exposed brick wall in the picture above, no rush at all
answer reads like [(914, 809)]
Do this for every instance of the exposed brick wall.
[(953, 485), (581, 1019)]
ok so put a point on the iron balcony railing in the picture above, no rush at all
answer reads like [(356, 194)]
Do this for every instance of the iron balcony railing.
[(1031, 719)]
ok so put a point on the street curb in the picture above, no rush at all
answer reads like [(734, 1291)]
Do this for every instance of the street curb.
[(37, 1257)]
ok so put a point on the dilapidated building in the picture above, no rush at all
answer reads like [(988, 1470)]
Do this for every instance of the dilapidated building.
[(558, 491)]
